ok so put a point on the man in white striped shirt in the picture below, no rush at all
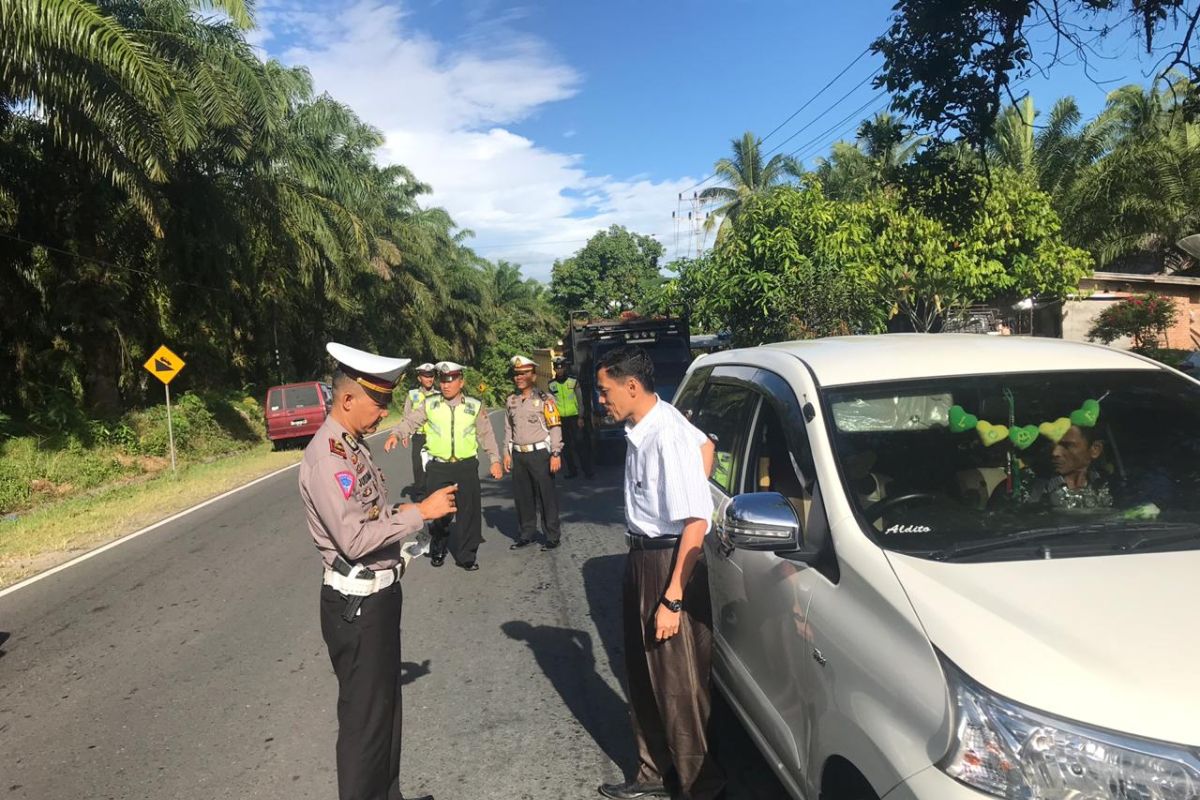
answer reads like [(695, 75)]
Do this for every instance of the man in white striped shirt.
[(667, 612)]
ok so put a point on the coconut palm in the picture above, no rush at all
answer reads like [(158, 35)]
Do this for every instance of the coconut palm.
[(882, 146), (745, 175)]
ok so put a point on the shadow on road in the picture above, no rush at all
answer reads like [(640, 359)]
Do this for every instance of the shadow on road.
[(410, 671), (566, 657), (4, 637)]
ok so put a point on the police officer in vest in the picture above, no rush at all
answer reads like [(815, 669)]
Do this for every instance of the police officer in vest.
[(359, 535), (416, 397), (533, 454), (569, 395), (457, 427)]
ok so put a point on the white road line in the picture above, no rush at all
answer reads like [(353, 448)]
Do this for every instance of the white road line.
[(129, 536)]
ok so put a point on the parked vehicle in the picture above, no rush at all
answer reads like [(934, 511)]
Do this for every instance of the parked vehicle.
[(919, 589), (666, 339), (295, 410)]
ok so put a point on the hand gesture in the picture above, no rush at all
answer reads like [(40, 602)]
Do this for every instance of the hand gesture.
[(497, 473), (666, 623), (404, 441), (555, 464), (439, 504), (508, 462), (390, 444)]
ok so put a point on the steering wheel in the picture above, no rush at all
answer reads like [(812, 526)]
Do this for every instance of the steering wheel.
[(877, 509)]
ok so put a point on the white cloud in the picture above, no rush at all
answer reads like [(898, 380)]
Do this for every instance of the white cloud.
[(443, 112)]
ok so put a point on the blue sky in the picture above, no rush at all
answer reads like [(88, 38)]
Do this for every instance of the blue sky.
[(538, 123)]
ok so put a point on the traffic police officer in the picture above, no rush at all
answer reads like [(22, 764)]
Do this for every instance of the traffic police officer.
[(416, 397), (359, 536), (457, 427), (569, 394), (533, 454)]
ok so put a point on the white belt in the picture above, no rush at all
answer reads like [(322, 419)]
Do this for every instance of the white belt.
[(362, 587), (529, 448)]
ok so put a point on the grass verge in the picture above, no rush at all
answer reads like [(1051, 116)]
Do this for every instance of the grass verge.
[(61, 531)]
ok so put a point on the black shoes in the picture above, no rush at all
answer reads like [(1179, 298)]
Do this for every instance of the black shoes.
[(549, 546), (519, 543), (470, 566), (631, 790), (437, 559)]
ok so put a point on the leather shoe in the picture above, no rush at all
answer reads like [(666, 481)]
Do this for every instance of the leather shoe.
[(631, 790), (437, 560), (519, 543), (550, 546), (470, 567)]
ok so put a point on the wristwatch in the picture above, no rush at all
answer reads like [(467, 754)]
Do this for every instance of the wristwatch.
[(554, 454), (673, 605)]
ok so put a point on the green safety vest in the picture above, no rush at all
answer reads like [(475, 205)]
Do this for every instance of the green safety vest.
[(722, 469), (568, 404), (451, 429), (417, 397)]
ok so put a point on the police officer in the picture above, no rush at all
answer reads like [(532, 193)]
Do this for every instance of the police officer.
[(533, 454), (568, 393), (457, 427), (416, 397), (359, 536)]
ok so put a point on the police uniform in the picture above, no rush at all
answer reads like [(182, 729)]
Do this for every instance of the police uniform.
[(576, 446), (359, 536), (417, 397), (532, 434), (455, 431)]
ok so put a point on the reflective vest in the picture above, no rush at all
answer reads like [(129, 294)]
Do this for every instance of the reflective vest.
[(568, 404), (451, 429), (417, 398), (723, 469)]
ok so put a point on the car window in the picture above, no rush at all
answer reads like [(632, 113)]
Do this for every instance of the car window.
[(689, 395), (297, 397), (724, 413), (275, 400)]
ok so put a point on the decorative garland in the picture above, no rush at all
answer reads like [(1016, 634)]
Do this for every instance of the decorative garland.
[(1024, 436)]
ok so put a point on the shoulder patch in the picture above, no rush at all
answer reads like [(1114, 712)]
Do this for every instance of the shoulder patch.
[(345, 482), (336, 448)]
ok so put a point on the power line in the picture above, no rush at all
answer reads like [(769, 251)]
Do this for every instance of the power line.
[(821, 139), (819, 117)]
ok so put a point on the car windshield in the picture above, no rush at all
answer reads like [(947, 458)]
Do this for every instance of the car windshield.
[(1036, 465), (296, 397)]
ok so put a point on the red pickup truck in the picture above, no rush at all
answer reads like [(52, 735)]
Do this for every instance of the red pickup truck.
[(295, 410)]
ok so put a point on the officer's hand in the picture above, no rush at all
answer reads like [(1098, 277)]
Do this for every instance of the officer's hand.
[(555, 464), (507, 462), (439, 504), (666, 623), (404, 441), (580, 423), (390, 444), (497, 473)]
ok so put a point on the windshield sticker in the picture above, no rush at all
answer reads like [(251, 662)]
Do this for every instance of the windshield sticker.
[(909, 529)]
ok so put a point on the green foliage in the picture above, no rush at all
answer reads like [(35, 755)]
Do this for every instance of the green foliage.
[(745, 175), (617, 270), (1143, 319)]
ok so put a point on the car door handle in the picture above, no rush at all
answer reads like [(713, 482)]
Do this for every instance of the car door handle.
[(817, 657)]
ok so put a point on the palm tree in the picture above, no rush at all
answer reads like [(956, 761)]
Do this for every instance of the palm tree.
[(745, 175), (883, 145)]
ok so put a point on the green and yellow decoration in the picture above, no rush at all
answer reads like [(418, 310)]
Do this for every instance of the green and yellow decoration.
[(1023, 436)]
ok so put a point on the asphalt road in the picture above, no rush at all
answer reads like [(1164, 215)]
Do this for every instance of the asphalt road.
[(188, 663)]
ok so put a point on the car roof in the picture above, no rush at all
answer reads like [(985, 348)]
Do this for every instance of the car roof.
[(297, 383), (844, 360)]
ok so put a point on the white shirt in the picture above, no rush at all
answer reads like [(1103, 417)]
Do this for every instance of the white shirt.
[(665, 484)]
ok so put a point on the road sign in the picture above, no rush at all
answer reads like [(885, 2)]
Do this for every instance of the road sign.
[(164, 364)]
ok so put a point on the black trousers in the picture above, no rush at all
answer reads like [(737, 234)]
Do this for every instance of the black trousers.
[(533, 483), (366, 658), (462, 532), (417, 443), (670, 694), (577, 447)]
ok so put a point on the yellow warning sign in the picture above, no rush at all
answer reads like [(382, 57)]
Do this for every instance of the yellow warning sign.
[(164, 364)]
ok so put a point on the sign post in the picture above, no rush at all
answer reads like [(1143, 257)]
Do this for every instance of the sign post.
[(165, 365)]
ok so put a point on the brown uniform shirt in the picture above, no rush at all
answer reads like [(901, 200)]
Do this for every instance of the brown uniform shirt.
[(414, 418), (345, 502), (525, 421)]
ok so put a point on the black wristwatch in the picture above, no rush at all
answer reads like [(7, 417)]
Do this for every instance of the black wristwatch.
[(673, 605)]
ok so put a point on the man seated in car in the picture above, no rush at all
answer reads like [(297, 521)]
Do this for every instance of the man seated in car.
[(1077, 483)]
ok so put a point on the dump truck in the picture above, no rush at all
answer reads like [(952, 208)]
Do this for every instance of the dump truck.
[(666, 339)]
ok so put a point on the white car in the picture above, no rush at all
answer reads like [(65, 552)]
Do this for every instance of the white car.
[(953, 566)]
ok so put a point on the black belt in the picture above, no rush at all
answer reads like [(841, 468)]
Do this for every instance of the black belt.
[(639, 541)]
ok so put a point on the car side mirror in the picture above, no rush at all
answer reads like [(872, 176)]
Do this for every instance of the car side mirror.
[(760, 521)]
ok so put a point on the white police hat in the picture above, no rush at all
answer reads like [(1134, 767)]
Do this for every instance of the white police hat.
[(377, 374), (426, 367), (521, 363), (449, 367)]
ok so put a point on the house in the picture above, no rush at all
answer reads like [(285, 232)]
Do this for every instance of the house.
[(1103, 289)]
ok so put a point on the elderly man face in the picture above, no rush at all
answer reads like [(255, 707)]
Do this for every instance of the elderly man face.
[(1075, 452)]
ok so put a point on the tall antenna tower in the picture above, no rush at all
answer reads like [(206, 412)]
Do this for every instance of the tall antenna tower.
[(690, 216)]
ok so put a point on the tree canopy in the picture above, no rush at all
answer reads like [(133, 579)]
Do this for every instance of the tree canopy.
[(617, 270)]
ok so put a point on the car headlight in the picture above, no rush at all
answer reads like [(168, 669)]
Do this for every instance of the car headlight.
[(1011, 751)]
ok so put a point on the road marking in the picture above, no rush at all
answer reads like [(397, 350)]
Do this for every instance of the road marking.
[(32, 579)]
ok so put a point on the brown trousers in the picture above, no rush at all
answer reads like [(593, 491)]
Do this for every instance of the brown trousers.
[(669, 682)]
